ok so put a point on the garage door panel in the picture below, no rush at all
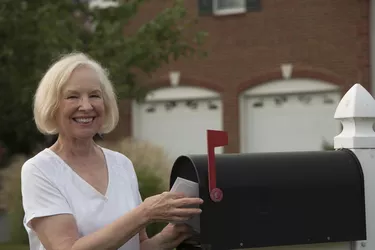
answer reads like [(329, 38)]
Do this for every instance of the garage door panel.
[(179, 126), (290, 123)]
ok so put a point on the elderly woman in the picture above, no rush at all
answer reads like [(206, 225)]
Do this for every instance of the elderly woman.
[(78, 195)]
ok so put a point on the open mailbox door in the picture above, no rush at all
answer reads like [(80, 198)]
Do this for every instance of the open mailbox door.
[(274, 199)]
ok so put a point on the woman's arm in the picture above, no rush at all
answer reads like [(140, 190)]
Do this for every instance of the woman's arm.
[(154, 243), (60, 232), (148, 243)]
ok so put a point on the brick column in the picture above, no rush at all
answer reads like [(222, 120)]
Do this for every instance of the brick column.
[(363, 35), (124, 127)]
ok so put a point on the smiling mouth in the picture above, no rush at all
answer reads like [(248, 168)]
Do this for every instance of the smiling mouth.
[(84, 120)]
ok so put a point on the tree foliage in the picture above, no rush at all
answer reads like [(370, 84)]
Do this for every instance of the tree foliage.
[(35, 33)]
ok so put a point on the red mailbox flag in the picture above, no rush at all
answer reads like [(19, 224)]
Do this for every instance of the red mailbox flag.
[(215, 138)]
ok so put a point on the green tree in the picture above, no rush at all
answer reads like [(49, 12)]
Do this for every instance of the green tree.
[(35, 33)]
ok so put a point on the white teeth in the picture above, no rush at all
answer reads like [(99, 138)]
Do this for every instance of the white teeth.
[(83, 120)]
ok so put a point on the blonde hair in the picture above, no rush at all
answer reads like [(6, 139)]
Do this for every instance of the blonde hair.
[(47, 96)]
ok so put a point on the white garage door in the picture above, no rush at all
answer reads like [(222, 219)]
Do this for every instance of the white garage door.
[(299, 121), (178, 125)]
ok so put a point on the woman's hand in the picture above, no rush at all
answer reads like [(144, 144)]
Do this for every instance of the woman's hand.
[(169, 207), (172, 236)]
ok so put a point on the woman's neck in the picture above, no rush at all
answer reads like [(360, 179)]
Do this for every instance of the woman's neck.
[(72, 147)]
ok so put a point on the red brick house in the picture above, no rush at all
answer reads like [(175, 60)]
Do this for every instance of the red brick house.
[(274, 75)]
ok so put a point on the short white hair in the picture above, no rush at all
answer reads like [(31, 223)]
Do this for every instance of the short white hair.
[(48, 93)]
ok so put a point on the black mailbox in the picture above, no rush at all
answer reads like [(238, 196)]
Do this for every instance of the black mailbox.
[(274, 199)]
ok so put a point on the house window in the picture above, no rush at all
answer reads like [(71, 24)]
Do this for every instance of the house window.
[(103, 3), (226, 7)]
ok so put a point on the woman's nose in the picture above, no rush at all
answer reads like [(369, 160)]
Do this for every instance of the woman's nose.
[(85, 104)]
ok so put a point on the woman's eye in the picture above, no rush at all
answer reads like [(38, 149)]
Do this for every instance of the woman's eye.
[(71, 97), (95, 96)]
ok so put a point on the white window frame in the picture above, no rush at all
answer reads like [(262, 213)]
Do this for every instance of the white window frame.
[(103, 4), (220, 12)]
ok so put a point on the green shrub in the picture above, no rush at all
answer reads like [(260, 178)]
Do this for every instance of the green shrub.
[(327, 146), (13, 247), (11, 199), (149, 162)]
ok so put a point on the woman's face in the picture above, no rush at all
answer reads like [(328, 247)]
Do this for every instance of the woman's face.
[(81, 111)]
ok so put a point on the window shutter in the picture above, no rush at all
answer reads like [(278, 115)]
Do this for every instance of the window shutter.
[(253, 5), (205, 7)]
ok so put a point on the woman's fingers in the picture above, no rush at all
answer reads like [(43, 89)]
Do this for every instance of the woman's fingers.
[(184, 214), (180, 233), (180, 215), (182, 202), (182, 228), (186, 211), (178, 207), (174, 243), (181, 198), (174, 195), (179, 218)]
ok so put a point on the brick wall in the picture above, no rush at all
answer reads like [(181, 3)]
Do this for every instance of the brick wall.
[(323, 39), (363, 34)]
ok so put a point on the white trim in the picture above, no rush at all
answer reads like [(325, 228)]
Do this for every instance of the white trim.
[(180, 93), (242, 122), (221, 12), (290, 86), (286, 70), (174, 78)]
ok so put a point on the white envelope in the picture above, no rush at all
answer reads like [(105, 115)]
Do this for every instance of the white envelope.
[(190, 189)]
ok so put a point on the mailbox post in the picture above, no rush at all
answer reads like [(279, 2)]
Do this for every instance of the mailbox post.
[(294, 200), (356, 111)]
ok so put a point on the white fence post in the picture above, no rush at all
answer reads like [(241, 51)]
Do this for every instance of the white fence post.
[(356, 112)]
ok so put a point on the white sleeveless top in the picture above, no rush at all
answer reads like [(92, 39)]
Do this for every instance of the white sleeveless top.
[(51, 187)]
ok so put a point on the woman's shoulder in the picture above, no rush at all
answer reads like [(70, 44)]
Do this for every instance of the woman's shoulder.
[(40, 158), (41, 162), (115, 156), (119, 162)]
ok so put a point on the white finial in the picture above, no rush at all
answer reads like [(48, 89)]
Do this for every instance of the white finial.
[(286, 70), (356, 111)]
